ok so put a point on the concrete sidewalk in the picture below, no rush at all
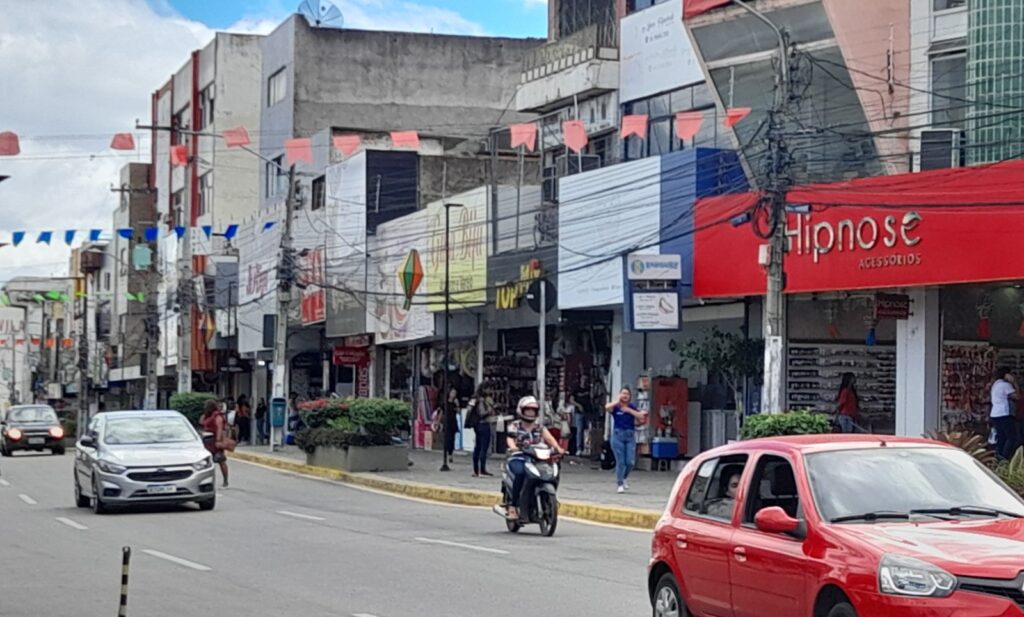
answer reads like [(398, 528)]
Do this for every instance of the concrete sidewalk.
[(586, 491)]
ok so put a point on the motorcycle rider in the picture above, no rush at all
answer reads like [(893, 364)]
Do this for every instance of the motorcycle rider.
[(523, 432)]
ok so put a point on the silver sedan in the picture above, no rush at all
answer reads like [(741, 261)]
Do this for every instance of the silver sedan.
[(136, 457)]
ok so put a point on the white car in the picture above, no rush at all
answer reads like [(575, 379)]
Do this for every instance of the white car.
[(135, 457)]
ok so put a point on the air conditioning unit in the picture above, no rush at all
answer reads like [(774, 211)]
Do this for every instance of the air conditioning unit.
[(941, 149)]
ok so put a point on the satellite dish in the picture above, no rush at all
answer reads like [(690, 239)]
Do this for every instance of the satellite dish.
[(320, 13)]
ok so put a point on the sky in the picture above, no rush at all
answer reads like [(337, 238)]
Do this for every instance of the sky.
[(74, 72)]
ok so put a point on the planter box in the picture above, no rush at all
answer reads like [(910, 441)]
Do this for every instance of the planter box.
[(360, 459)]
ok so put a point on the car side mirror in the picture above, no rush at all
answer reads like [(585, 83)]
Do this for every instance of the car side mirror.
[(775, 520), (87, 441)]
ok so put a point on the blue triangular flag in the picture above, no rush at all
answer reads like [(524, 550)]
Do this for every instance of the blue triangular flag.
[(180, 231), (45, 237), (268, 225), (94, 235), (208, 230), (17, 237), (69, 236), (231, 231), (152, 234), (125, 233)]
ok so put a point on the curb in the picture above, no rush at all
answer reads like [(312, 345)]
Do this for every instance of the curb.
[(609, 515)]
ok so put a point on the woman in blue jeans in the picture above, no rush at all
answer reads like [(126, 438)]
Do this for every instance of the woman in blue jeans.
[(624, 416)]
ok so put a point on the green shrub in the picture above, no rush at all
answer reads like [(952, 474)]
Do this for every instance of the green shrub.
[(351, 422), (379, 416), (320, 413), (789, 423), (1012, 472), (190, 404), (308, 439)]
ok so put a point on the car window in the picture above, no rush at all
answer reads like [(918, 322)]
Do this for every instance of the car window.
[(773, 484), (143, 430), (32, 414), (714, 487)]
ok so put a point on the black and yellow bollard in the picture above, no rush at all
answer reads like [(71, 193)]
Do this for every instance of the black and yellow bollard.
[(126, 557)]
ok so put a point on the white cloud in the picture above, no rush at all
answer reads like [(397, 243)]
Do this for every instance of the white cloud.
[(535, 3)]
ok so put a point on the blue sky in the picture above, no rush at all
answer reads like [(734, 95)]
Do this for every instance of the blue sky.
[(496, 17)]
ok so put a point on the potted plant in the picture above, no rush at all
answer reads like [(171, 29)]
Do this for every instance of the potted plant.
[(789, 423), (354, 434), (732, 358)]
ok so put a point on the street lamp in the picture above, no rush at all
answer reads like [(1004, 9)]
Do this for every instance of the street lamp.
[(447, 314)]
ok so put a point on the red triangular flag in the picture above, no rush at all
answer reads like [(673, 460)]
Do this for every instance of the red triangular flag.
[(405, 139), (347, 144), (634, 125), (36, 340), (9, 145), (298, 149), (574, 135), (236, 137), (179, 155), (734, 115), (688, 124), (524, 135), (123, 141)]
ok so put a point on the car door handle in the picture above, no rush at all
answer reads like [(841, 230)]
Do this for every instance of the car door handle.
[(681, 540), (740, 553)]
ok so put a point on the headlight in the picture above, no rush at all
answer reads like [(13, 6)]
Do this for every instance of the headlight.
[(206, 463), (906, 576), (532, 469), (57, 432), (14, 434), (108, 467)]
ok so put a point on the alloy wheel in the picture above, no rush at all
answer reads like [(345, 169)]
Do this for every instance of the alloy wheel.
[(667, 603)]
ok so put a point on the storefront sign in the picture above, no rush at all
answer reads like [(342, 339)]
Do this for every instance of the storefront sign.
[(510, 295), (467, 237), (892, 306), (346, 246), (311, 279), (362, 340), (656, 53), (350, 356), (654, 267), (928, 228), (363, 380), (391, 315), (655, 310)]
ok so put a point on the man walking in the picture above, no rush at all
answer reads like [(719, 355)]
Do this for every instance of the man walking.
[(1004, 391)]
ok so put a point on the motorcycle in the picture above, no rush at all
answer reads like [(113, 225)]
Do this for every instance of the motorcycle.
[(538, 501)]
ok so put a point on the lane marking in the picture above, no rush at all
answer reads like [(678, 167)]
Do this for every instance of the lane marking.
[(178, 560), (72, 524), (306, 517), (471, 547), (362, 615), (27, 499), (4, 482)]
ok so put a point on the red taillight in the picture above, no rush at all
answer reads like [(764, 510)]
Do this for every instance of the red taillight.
[(57, 432), (14, 434)]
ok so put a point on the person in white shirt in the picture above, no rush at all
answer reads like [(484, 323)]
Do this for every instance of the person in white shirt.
[(1004, 391)]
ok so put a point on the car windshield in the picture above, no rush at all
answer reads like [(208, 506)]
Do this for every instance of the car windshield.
[(849, 483), (33, 414), (143, 430)]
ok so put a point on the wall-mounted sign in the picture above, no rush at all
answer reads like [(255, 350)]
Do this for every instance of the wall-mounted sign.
[(656, 53), (654, 267), (510, 295), (350, 356), (892, 306), (655, 310)]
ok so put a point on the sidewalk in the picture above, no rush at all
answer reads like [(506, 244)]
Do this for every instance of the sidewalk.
[(585, 491)]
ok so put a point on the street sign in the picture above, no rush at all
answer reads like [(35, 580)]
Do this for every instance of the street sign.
[(892, 306), (533, 295)]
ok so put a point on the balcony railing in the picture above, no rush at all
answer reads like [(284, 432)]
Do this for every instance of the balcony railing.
[(576, 48)]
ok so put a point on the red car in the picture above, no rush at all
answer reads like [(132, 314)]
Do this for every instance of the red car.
[(838, 526)]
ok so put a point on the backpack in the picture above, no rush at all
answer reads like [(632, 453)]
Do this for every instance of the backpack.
[(607, 456)]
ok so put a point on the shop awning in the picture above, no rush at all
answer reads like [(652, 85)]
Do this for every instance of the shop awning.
[(952, 226)]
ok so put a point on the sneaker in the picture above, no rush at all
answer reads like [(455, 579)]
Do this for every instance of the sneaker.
[(622, 489), (487, 474), (625, 485), (445, 468)]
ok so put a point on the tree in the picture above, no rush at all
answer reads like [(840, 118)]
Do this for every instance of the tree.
[(732, 357)]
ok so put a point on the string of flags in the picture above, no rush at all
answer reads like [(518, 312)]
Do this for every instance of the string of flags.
[(151, 234), (7, 342), (60, 296)]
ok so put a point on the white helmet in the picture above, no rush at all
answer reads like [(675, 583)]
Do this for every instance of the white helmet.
[(528, 402)]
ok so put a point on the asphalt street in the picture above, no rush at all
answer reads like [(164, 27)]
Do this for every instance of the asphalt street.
[(282, 545)]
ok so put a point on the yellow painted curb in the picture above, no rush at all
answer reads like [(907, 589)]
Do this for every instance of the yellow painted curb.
[(595, 513)]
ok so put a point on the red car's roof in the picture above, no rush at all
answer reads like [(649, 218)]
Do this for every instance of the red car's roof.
[(808, 444)]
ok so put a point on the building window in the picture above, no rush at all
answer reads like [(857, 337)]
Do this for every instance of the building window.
[(180, 121), (106, 281), (949, 90), (277, 178), (945, 5), (633, 6), (661, 110), (277, 86), (177, 203), (206, 107), (206, 193), (319, 193)]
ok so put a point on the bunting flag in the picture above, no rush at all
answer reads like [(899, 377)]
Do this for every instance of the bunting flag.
[(688, 124), (122, 141), (152, 234), (9, 145), (45, 237), (36, 341), (17, 237), (347, 144), (139, 297), (4, 300), (524, 135), (692, 8), (94, 235), (267, 226), (38, 298), (179, 155), (69, 237), (180, 231), (49, 343), (634, 125), (236, 137), (734, 115), (69, 343), (208, 230), (231, 232), (405, 139), (298, 149), (125, 232), (53, 295), (574, 135)]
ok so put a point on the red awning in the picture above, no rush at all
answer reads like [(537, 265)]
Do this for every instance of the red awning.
[(692, 8)]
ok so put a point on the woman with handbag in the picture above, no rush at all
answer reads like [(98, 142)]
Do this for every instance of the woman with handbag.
[(216, 437), (481, 416)]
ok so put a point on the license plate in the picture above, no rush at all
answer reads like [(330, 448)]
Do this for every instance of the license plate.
[(162, 489), (36, 441)]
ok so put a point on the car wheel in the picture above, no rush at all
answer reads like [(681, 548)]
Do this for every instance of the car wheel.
[(208, 504), (667, 601), (843, 609), (3, 449), (81, 500), (97, 503), (58, 451)]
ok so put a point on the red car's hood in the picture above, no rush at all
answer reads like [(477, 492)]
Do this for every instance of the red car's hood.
[(992, 548)]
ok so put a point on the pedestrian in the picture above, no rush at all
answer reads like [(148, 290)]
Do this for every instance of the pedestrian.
[(450, 426), (847, 404), (217, 439), (261, 420), (1004, 393), (578, 416), (624, 420), (481, 416), (243, 418)]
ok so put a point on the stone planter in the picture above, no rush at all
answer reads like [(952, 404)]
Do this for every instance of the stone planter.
[(362, 458)]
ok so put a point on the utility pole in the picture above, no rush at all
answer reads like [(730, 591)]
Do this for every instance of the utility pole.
[(285, 276), (777, 185), (84, 380), (185, 292)]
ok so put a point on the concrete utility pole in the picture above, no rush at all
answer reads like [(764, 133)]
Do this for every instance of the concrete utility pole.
[(285, 278), (777, 184), (185, 292)]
